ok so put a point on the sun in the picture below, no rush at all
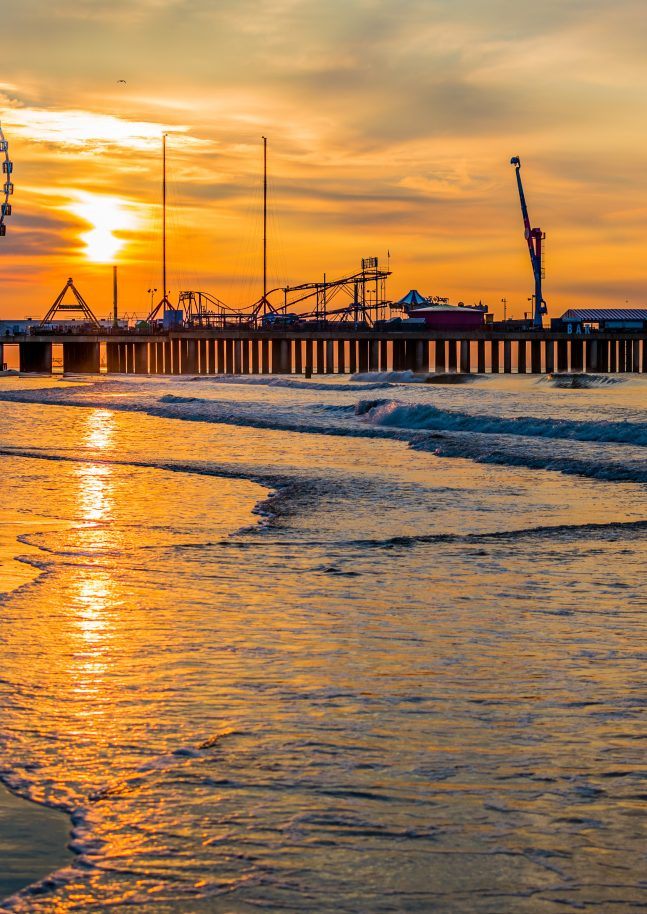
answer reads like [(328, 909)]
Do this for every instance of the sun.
[(109, 218)]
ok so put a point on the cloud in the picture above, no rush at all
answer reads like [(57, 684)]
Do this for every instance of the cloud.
[(386, 121)]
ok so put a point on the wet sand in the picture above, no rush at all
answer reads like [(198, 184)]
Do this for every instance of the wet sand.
[(33, 842)]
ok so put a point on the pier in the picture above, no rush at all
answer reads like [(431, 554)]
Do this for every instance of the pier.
[(345, 350)]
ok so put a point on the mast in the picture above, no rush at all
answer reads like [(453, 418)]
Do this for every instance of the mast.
[(115, 319), (264, 218), (163, 303), (164, 220)]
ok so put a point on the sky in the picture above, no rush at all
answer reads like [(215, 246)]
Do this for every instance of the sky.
[(390, 128)]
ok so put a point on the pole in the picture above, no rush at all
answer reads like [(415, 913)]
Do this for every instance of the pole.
[(325, 300), (164, 220), (115, 322), (264, 218)]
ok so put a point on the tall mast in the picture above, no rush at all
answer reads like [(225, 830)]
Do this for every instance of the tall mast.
[(264, 218), (115, 318), (163, 303), (164, 219)]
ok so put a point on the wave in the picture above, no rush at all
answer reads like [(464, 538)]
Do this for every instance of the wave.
[(502, 452), (578, 381), (410, 377), (396, 414), (390, 377), (285, 493), (554, 532), (374, 382), (510, 441), (83, 843)]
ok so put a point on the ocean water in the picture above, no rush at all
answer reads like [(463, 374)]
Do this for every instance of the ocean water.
[(328, 646)]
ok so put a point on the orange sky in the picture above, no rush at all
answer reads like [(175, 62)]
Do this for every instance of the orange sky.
[(390, 127)]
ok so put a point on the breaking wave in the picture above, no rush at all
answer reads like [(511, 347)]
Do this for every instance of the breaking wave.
[(396, 414), (373, 381), (604, 449)]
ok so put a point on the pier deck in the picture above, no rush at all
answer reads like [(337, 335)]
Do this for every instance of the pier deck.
[(343, 350)]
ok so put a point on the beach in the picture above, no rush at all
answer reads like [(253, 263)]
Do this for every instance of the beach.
[(33, 842), (340, 646)]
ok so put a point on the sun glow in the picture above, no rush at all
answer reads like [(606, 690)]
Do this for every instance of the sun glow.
[(109, 218)]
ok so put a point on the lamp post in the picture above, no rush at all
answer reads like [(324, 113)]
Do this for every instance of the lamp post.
[(152, 292)]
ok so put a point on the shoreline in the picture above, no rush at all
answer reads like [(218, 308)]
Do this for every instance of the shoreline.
[(33, 842)]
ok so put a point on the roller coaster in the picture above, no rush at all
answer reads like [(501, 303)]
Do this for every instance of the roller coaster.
[(358, 299)]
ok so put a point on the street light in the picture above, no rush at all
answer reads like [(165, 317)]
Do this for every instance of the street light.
[(152, 292)]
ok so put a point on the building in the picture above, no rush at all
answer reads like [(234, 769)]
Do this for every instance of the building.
[(584, 320), (438, 314)]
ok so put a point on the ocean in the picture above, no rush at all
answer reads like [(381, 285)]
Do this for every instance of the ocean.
[(363, 645)]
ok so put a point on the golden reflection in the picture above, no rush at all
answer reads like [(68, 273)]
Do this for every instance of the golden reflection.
[(94, 592), (93, 619), (93, 600), (100, 429), (94, 492), (95, 480)]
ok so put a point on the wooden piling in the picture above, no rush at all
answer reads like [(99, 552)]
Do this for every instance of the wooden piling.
[(480, 356), (577, 355), (549, 356), (465, 356), (521, 357), (384, 355), (341, 356), (352, 356), (440, 353), (309, 358), (330, 357), (451, 355), (494, 360)]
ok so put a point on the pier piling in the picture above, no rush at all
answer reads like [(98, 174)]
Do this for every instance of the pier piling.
[(250, 352), (35, 357)]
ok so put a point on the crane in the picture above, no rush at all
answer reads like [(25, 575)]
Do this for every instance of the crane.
[(534, 237)]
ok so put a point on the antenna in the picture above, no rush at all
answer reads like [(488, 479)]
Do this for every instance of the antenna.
[(164, 303), (264, 218), (164, 218), (115, 321)]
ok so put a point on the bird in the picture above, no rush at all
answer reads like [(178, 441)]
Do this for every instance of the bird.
[(122, 81)]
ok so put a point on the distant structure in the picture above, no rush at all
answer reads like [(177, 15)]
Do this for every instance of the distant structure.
[(7, 190), (587, 320), (534, 238), (437, 314), (78, 306)]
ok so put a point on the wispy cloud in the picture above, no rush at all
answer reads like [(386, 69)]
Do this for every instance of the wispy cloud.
[(390, 125)]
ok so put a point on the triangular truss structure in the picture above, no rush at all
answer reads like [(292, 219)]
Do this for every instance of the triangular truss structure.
[(164, 304), (79, 306)]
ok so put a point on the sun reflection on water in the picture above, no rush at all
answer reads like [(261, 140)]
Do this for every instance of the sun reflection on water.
[(100, 428), (94, 593)]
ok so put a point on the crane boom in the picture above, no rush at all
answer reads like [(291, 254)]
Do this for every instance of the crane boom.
[(534, 238)]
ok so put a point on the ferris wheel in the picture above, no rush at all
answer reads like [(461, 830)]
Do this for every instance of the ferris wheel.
[(7, 185)]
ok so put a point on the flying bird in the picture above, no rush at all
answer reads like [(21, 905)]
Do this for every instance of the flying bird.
[(122, 81)]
